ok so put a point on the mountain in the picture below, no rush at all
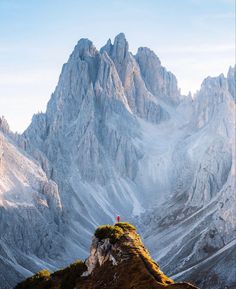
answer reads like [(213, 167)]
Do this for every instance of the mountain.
[(197, 228), (30, 214), (118, 138), (231, 79), (118, 259)]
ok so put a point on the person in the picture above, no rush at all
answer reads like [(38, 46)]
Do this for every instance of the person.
[(118, 219)]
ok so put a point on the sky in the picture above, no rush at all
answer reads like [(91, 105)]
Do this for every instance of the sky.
[(192, 38)]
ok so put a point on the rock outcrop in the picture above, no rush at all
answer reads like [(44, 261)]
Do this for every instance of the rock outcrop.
[(30, 215), (118, 259)]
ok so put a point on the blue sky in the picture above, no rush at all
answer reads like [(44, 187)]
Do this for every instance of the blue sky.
[(193, 39)]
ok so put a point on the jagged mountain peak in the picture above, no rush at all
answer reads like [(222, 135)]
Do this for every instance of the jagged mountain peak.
[(118, 259), (120, 48), (232, 70), (4, 126), (214, 82), (148, 53), (213, 98), (119, 53), (231, 78), (120, 37), (160, 82), (85, 48), (107, 47), (118, 139)]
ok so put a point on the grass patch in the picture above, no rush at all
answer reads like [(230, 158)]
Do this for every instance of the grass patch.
[(41, 275), (37, 281), (126, 226), (62, 279), (114, 233)]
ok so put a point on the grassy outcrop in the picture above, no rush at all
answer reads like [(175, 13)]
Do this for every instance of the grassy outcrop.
[(126, 265), (62, 279), (69, 276), (37, 281), (114, 233), (126, 226)]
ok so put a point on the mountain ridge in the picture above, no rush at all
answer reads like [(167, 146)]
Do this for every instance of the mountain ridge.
[(117, 139)]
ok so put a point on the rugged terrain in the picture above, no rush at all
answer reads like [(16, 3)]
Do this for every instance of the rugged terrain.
[(118, 259), (119, 138), (30, 213)]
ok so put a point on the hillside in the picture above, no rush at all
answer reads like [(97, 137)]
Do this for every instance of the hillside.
[(30, 214), (118, 259)]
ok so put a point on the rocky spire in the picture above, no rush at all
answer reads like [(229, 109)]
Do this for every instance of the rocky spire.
[(118, 259), (231, 79), (120, 49), (4, 126), (158, 80), (85, 48)]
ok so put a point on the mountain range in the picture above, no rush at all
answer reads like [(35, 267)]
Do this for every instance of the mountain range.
[(119, 138)]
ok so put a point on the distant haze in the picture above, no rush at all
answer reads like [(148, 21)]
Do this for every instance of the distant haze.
[(192, 38)]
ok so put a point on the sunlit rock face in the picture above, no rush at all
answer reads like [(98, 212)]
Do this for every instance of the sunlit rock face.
[(118, 138), (118, 259)]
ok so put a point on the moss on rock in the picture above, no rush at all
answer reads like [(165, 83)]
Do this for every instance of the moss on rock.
[(114, 233), (125, 226)]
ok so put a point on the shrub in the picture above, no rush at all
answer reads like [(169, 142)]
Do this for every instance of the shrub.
[(107, 231), (37, 281), (41, 275), (70, 274), (126, 226), (78, 267)]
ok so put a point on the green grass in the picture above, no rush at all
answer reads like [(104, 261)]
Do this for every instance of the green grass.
[(114, 233), (62, 279), (43, 274), (37, 281), (126, 226)]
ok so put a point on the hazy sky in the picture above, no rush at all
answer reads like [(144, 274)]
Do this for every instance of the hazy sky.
[(193, 39)]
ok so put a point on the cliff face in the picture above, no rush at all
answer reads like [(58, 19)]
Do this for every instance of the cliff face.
[(118, 259), (30, 214)]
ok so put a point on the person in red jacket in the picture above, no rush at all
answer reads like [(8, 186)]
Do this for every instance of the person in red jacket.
[(118, 219)]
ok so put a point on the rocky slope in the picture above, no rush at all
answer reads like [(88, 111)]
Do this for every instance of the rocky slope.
[(198, 227), (118, 138), (118, 259), (30, 214)]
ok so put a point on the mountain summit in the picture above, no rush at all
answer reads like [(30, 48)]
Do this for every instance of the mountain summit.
[(118, 259), (118, 138)]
